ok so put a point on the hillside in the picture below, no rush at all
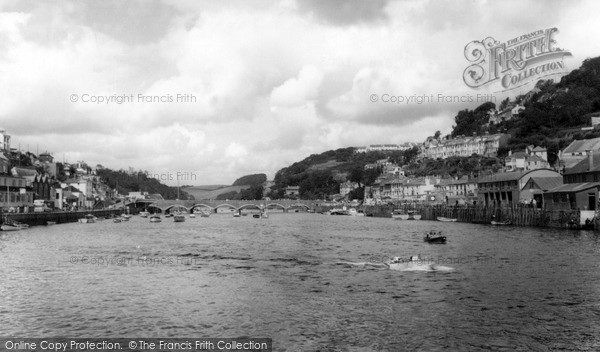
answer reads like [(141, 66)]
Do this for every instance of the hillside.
[(554, 113), (139, 181), (212, 192), (320, 174)]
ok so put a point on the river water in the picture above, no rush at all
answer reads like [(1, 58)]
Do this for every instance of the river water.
[(310, 282)]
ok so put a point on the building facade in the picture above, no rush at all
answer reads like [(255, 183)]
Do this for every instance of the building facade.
[(465, 146)]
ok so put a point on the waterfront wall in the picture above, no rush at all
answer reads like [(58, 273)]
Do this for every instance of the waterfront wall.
[(59, 217), (517, 215)]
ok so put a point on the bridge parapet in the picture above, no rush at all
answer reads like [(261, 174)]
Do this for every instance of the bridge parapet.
[(237, 204)]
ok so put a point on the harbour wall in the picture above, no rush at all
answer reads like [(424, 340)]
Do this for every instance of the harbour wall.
[(59, 217)]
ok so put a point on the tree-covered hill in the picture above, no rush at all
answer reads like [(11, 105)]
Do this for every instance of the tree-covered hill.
[(320, 174), (553, 116), (126, 182)]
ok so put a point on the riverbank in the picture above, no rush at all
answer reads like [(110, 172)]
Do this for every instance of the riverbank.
[(59, 217)]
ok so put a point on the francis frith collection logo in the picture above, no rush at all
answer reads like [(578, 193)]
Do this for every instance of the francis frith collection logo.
[(515, 63)]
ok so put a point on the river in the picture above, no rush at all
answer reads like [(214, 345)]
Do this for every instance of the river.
[(310, 282)]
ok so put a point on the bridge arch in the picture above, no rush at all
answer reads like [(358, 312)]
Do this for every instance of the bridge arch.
[(176, 207), (299, 205), (276, 205), (201, 206), (249, 206)]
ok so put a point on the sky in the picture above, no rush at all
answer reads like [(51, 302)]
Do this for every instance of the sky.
[(210, 91)]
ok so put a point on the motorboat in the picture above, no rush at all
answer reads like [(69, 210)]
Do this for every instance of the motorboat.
[(434, 237), (415, 263), (441, 218), (192, 215)]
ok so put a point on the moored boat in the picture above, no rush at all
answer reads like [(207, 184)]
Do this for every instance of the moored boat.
[(144, 214), (500, 223), (434, 237), (155, 218), (10, 227), (192, 215), (88, 219), (178, 218), (117, 220), (441, 218)]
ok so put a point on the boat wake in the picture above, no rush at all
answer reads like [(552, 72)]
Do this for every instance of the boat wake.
[(397, 265)]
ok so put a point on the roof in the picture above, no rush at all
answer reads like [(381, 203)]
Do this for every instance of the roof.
[(71, 189), (24, 172), (582, 145), (512, 176), (574, 187), (546, 183), (538, 149), (534, 158), (583, 166), (506, 176)]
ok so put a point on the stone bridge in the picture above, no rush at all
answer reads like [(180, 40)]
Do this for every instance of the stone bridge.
[(215, 206)]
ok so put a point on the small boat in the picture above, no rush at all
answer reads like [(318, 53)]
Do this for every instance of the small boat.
[(413, 215), (192, 215), (168, 215), (144, 214), (500, 223), (236, 215), (50, 223), (441, 218), (10, 227), (155, 218), (117, 220), (256, 216), (178, 217), (434, 237), (415, 263), (204, 214), (339, 212), (88, 219)]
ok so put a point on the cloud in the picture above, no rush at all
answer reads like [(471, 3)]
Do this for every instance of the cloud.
[(298, 91), (344, 12)]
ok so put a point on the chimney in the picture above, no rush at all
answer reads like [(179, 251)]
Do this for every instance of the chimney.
[(590, 155)]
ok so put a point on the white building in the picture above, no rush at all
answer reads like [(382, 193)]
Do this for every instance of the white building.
[(4, 140), (465, 146)]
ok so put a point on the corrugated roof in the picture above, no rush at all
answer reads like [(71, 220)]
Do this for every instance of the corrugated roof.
[(506, 176), (546, 183), (582, 145), (574, 187)]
